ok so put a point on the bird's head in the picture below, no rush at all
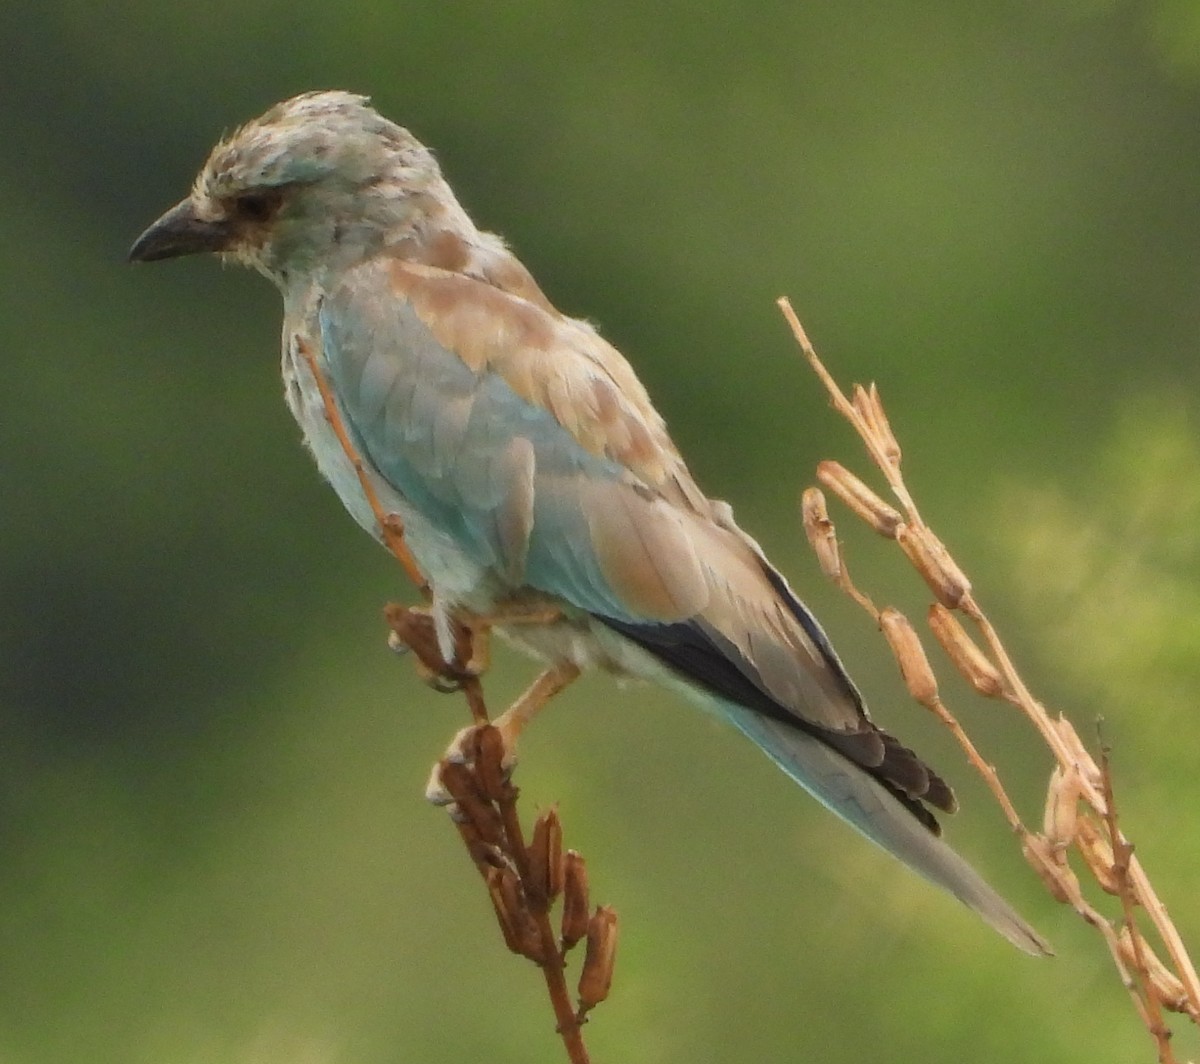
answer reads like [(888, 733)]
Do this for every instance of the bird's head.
[(318, 180)]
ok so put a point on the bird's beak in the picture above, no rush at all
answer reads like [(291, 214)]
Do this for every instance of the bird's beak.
[(180, 232)]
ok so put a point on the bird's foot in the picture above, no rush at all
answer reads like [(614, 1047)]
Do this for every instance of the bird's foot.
[(497, 740), (422, 630), (453, 646)]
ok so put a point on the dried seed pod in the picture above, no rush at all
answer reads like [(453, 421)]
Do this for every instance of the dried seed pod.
[(545, 860), (1167, 985), (463, 787), (883, 427), (494, 877), (517, 926), (822, 536), (931, 559), (870, 408), (1098, 854), (595, 978), (483, 853), (414, 629), (862, 500), (963, 651), (575, 899), (910, 656), (489, 763), (1061, 818)]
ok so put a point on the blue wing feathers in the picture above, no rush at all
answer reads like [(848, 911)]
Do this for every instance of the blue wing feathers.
[(436, 430)]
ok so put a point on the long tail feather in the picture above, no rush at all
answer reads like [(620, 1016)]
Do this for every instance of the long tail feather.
[(868, 807)]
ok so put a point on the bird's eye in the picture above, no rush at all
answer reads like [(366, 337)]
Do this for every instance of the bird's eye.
[(257, 206)]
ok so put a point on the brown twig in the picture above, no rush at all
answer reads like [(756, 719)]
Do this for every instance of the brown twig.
[(391, 527), (1081, 811), (1137, 948), (523, 882)]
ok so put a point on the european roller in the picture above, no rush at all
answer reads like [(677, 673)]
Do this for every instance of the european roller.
[(527, 464)]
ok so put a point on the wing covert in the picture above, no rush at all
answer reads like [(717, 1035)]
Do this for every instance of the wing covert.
[(526, 489)]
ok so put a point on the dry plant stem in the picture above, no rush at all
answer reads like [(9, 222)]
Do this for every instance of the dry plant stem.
[(390, 525), (1160, 918), (1018, 695), (415, 630), (1147, 998), (1095, 795), (1072, 894), (1114, 862), (881, 457), (861, 597), (472, 691), (890, 468), (982, 766), (551, 960), (495, 840)]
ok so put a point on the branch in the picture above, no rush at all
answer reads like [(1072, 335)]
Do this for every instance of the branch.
[(1080, 818), (524, 881)]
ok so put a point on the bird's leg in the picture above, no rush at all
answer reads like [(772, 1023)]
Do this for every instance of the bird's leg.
[(423, 630), (478, 644), (513, 720), (479, 627), (509, 724)]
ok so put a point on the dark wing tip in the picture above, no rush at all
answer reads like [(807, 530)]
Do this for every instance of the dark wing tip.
[(690, 649), (896, 767)]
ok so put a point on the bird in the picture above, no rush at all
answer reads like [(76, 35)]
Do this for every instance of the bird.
[(527, 464)]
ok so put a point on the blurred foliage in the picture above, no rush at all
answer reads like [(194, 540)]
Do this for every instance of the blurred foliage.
[(214, 843)]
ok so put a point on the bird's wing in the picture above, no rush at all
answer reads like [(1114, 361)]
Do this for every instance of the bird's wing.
[(530, 440), (471, 402)]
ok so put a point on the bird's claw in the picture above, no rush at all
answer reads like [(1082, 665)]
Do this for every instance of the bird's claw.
[(435, 790), (414, 629), (443, 682)]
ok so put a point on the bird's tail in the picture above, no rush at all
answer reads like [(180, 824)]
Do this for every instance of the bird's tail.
[(867, 806)]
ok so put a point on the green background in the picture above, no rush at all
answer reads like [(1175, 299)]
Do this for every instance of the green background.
[(213, 845)]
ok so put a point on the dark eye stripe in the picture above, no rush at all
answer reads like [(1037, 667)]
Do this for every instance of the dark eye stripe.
[(257, 206)]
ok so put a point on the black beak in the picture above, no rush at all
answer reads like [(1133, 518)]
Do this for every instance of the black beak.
[(180, 232)]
